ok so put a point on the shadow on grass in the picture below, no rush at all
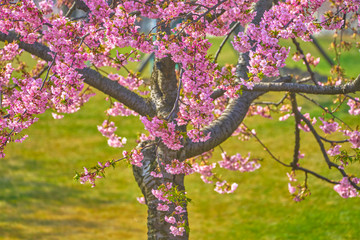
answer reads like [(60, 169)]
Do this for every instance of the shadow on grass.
[(39, 203)]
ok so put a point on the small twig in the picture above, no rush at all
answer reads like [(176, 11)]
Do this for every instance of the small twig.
[(304, 80), (176, 104), (315, 174), (276, 104), (312, 74), (322, 51), (326, 157), (225, 40), (71, 10), (297, 131), (145, 62), (266, 148), (47, 73), (333, 141), (354, 99), (41, 72), (323, 108), (202, 15), (317, 137)]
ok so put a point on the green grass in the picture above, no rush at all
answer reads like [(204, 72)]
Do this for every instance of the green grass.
[(348, 59), (40, 200)]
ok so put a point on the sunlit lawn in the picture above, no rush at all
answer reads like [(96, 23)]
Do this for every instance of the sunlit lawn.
[(40, 200)]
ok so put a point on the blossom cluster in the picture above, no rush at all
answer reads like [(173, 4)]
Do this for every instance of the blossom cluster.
[(354, 105), (238, 163), (173, 208), (177, 167), (164, 130), (108, 129), (345, 189)]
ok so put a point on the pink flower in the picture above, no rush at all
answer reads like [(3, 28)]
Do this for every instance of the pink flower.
[(156, 175), (329, 127), (136, 157), (301, 155), (334, 151), (177, 231), (292, 189), (204, 170), (116, 142), (345, 189), (354, 106), (291, 176), (283, 118), (141, 200), (238, 163), (223, 187), (179, 210), (354, 138), (177, 167), (162, 207), (304, 126), (164, 130), (171, 219), (311, 60)]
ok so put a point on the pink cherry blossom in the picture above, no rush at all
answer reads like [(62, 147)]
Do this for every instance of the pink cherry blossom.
[(177, 167), (329, 127), (354, 106), (292, 189), (223, 187), (345, 189), (354, 138), (170, 219), (177, 231), (334, 150), (162, 207), (57, 116), (238, 163), (141, 200)]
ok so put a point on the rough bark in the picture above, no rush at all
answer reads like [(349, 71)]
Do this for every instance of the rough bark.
[(312, 89), (158, 228), (163, 86), (157, 155)]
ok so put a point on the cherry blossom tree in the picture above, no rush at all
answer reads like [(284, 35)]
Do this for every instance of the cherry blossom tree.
[(191, 104)]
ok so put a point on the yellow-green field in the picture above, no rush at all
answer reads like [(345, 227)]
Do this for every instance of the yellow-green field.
[(40, 200)]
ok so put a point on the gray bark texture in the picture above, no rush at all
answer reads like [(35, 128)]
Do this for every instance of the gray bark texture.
[(158, 228), (157, 155)]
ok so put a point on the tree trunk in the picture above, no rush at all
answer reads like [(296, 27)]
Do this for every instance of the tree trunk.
[(158, 228), (164, 86)]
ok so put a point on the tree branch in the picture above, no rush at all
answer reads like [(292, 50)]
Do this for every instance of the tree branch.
[(223, 127), (91, 77), (297, 130), (305, 88)]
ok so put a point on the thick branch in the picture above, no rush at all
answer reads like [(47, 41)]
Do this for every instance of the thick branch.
[(219, 92), (117, 91), (304, 88), (164, 85), (222, 128), (91, 77), (235, 112)]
